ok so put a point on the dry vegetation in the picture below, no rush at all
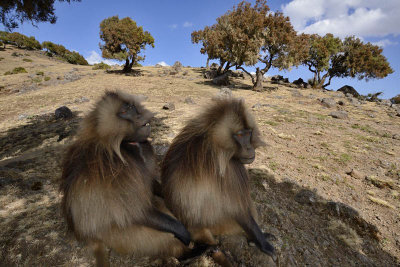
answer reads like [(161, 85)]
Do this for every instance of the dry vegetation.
[(319, 214)]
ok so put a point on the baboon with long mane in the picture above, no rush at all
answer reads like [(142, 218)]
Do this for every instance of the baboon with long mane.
[(205, 183), (107, 181)]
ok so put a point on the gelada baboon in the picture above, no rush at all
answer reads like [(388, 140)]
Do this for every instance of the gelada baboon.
[(107, 184), (205, 183)]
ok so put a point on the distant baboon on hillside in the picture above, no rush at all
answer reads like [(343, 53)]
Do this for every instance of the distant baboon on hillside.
[(107, 181)]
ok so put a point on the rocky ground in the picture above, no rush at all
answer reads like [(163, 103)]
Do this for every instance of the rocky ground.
[(327, 185)]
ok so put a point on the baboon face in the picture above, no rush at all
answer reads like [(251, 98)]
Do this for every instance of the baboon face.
[(245, 151), (139, 120)]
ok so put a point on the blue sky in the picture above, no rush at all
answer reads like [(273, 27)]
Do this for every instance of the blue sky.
[(171, 23)]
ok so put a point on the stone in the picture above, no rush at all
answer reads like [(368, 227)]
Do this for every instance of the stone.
[(63, 113), (356, 174), (225, 92), (189, 100), (222, 79), (347, 89), (328, 102), (81, 100), (169, 106), (340, 114), (305, 197)]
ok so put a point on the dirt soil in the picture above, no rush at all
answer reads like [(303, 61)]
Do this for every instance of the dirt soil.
[(320, 212)]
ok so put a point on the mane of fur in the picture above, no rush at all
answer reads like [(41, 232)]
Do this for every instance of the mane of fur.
[(210, 135), (95, 161), (199, 174)]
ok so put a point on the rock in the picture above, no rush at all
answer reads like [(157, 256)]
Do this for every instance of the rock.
[(396, 99), (356, 174), (342, 210), (296, 93), (328, 102), (158, 66), (385, 102), (210, 74), (222, 79), (299, 81), (347, 89), (340, 114), (305, 197), (189, 100), (169, 106), (225, 92), (354, 101), (81, 100), (185, 73), (72, 76), (396, 136), (341, 103), (63, 113)]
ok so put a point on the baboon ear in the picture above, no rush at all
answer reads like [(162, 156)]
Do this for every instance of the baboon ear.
[(127, 112)]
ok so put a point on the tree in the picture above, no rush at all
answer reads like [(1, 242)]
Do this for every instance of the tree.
[(249, 34), (59, 50), (123, 40), (281, 47), (330, 57), (20, 40), (14, 12)]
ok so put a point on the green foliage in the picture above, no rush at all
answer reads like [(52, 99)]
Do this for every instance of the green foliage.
[(27, 60), (396, 99), (330, 57), (123, 40), (247, 35), (16, 71), (20, 40), (40, 73), (59, 50), (101, 66), (47, 78), (14, 12)]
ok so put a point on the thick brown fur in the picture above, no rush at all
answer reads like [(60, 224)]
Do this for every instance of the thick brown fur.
[(107, 187), (204, 186)]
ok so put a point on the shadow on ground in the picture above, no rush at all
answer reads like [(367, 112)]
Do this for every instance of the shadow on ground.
[(309, 230)]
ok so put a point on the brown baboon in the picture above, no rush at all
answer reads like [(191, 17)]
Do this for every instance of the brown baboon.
[(107, 184), (205, 183)]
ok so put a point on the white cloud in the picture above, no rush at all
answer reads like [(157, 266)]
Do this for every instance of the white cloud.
[(173, 26), (162, 63), (362, 18), (384, 42), (94, 58), (187, 24)]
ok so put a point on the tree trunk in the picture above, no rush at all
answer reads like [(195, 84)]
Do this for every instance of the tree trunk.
[(257, 86), (128, 66), (208, 63), (220, 67)]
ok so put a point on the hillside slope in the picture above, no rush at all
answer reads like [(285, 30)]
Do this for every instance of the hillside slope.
[(319, 214)]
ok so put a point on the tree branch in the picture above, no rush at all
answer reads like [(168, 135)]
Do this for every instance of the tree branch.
[(245, 71)]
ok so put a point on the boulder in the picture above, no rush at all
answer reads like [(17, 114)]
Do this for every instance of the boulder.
[(169, 106), (347, 89), (340, 114), (328, 102), (222, 79), (63, 113)]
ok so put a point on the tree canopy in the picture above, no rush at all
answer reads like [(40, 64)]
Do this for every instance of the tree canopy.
[(247, 35), (330, 57), (123, 40), (15, 12)]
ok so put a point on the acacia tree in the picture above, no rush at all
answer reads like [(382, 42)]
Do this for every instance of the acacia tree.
[(281, 47), (13, 12), (330, 57), (249, 34), (123, 40)]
